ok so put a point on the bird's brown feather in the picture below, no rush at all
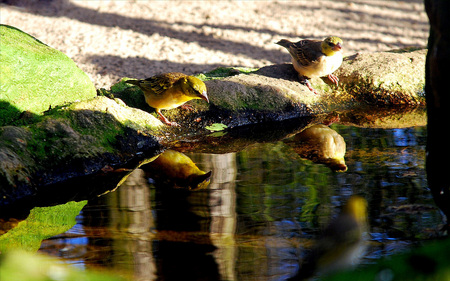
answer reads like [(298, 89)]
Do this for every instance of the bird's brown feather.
[(306, 52), (158, 84)]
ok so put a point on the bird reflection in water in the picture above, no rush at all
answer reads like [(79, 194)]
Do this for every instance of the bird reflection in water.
[(342, 244), (175, 169), (184, 249), (321, 144)]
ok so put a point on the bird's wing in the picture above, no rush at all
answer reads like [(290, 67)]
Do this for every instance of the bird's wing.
[(306, 52), (160, 83)]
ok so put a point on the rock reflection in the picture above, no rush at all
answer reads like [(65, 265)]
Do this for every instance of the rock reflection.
[(320, 144), (222, 200), (176, 169), (120, 232), (133, 215)]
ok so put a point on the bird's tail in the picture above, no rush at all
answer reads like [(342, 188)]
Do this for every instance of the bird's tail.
[(285, 43), (134, 82)]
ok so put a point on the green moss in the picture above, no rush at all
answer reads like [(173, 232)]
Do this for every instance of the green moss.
[(67, 134), (34, 76), (84, 130), (222, 72), (57, 140), (131, 95), (42, 223)]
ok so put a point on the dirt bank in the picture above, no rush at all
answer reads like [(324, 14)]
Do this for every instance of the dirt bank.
[(114, 39)]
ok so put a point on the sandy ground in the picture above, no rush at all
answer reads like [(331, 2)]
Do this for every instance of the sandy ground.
[(114, 39)]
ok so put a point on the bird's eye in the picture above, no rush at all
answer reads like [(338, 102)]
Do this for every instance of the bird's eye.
[(197, 91), (331, 44)]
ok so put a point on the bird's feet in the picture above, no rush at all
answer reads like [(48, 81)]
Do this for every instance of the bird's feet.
[(173, 124), (167, 122), (187, 107), (333, 79), (311, 88), (304, 80), (308, 84)]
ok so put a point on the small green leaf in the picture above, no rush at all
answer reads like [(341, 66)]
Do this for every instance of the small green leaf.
[(217, 127)]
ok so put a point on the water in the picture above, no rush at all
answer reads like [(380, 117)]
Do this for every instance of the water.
[(263, 207)]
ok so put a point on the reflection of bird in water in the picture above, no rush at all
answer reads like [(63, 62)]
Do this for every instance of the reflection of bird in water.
[(171, 90), (314, 58), (342, 243), (175, 168), (321, 144)]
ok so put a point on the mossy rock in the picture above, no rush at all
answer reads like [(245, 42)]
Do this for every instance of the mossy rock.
[(366, 80), (35, 77), (273, 93), (370, 79), (385, 78), (77, 140)]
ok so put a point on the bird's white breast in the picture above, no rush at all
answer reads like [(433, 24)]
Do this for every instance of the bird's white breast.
[(322, 67)]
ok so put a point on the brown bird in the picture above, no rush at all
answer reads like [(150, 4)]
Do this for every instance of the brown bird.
[(315, 58), (171, 90)]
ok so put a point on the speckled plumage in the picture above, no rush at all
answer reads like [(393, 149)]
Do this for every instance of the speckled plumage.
[(315, 58)]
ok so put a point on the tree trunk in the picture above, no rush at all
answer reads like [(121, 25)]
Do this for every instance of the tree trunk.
[(438, 102)]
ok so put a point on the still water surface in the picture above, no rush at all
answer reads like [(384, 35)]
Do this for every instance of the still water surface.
[(264, 205)]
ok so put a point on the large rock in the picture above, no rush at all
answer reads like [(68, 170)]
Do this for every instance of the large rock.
[(273, 93), (34, 76), (86, 138), (385, 78), (81, 136)]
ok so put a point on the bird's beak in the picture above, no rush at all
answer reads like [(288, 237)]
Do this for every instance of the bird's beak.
[(204, 96), (337, 47)]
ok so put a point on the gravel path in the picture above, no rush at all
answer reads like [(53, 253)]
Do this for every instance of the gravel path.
[(114, 39)]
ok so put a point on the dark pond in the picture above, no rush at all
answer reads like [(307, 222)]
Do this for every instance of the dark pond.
[(263, 207)]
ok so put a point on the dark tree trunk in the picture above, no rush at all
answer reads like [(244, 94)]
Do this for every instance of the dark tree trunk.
[(438, 102)]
